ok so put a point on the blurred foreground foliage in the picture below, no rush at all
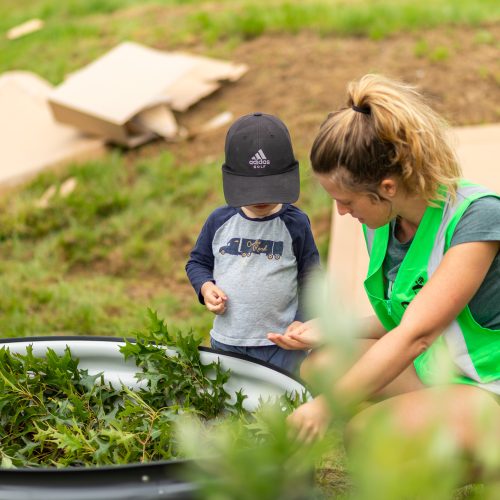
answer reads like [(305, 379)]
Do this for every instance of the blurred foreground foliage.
[(385, 461)]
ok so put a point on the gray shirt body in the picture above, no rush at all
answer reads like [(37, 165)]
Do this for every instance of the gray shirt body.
[(262, 290), (262, 265)]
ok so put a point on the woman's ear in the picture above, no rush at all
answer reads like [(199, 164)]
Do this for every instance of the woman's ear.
[(388, 188)]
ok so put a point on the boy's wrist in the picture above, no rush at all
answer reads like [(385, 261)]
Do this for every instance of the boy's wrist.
[(204, 287)]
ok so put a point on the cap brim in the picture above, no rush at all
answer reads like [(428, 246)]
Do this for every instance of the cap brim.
[(240, 190)]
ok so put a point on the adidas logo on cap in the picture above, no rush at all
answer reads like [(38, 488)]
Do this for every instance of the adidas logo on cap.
[(259, 160)]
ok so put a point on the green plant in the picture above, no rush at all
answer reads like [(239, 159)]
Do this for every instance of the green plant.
[(421, 48), (54, 413), (439, 54), (252, 457), (483, 72), (484, 37)]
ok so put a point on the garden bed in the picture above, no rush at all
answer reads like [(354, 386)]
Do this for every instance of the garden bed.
[(157, 478)]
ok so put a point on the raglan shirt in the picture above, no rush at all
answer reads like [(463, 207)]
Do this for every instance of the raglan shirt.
[(480, 222), (262, 265)]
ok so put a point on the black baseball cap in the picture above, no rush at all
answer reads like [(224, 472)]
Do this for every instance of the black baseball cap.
[(260, 166)]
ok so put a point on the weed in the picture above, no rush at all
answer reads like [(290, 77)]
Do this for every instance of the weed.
[(483, 72), (484, 37), (421, 49), (439, 54)]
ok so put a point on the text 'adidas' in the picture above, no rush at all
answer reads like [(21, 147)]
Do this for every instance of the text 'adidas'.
[(259, 160)]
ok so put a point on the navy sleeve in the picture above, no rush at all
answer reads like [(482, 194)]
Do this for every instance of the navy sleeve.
[(200, 266), (305, 251)]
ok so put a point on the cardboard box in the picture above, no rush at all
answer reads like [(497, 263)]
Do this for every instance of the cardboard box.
[(107, 97)]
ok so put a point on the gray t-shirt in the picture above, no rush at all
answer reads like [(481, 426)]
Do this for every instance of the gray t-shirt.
[(480, 222), (263, 266)]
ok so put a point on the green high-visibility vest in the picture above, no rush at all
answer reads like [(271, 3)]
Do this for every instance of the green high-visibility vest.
[(473, 351)]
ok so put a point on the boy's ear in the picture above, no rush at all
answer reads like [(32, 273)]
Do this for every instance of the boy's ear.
[(388, 188)]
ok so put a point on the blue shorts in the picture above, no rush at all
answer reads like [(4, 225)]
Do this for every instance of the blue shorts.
[(287, 360)]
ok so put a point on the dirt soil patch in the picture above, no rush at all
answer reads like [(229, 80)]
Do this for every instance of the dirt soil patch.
[(303, 77)]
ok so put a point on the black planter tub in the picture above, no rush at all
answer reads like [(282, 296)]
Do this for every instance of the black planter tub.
[(155, 480)]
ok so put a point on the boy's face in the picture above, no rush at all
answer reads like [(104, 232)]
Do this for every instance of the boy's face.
[(262, 209)]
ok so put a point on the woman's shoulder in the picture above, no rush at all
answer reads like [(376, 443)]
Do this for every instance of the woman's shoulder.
[(479, 222), (484, 207)]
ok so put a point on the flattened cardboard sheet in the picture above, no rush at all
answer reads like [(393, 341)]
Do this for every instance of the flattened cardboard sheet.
[(158, 119), (104, 97), (30, 138), (203, 79)]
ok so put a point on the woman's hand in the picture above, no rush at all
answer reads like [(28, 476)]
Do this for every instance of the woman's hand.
[(298, 336), (310, 420)]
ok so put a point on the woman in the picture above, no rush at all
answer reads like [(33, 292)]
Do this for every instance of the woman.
[(433, 278)]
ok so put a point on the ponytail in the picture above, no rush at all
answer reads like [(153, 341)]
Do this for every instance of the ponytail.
[(387, 129)]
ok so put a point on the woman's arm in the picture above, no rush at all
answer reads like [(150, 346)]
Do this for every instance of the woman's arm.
[(450, 289), (372, 328)]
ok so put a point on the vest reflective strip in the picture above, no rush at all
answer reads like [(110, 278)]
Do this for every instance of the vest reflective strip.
[(449, 212), (453, 334), (458, 350), (369, 235)]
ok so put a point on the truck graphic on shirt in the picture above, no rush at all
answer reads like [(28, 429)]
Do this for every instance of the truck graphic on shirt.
[(246, 247)]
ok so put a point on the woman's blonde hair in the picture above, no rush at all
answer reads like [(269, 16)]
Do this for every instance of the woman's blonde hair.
[(387, 129)]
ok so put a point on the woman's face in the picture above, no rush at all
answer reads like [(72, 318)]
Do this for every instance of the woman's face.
[(374, 213)]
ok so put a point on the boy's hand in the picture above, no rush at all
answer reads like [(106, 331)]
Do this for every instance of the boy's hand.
[(298, 336), (215, 298)]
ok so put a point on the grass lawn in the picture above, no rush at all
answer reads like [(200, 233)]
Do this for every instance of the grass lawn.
[(92, 262), (78, 31)]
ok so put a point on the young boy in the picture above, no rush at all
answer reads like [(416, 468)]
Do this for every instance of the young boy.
[(253, 256)]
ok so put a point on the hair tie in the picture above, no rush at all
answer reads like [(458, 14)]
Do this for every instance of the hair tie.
[(365, 109)]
